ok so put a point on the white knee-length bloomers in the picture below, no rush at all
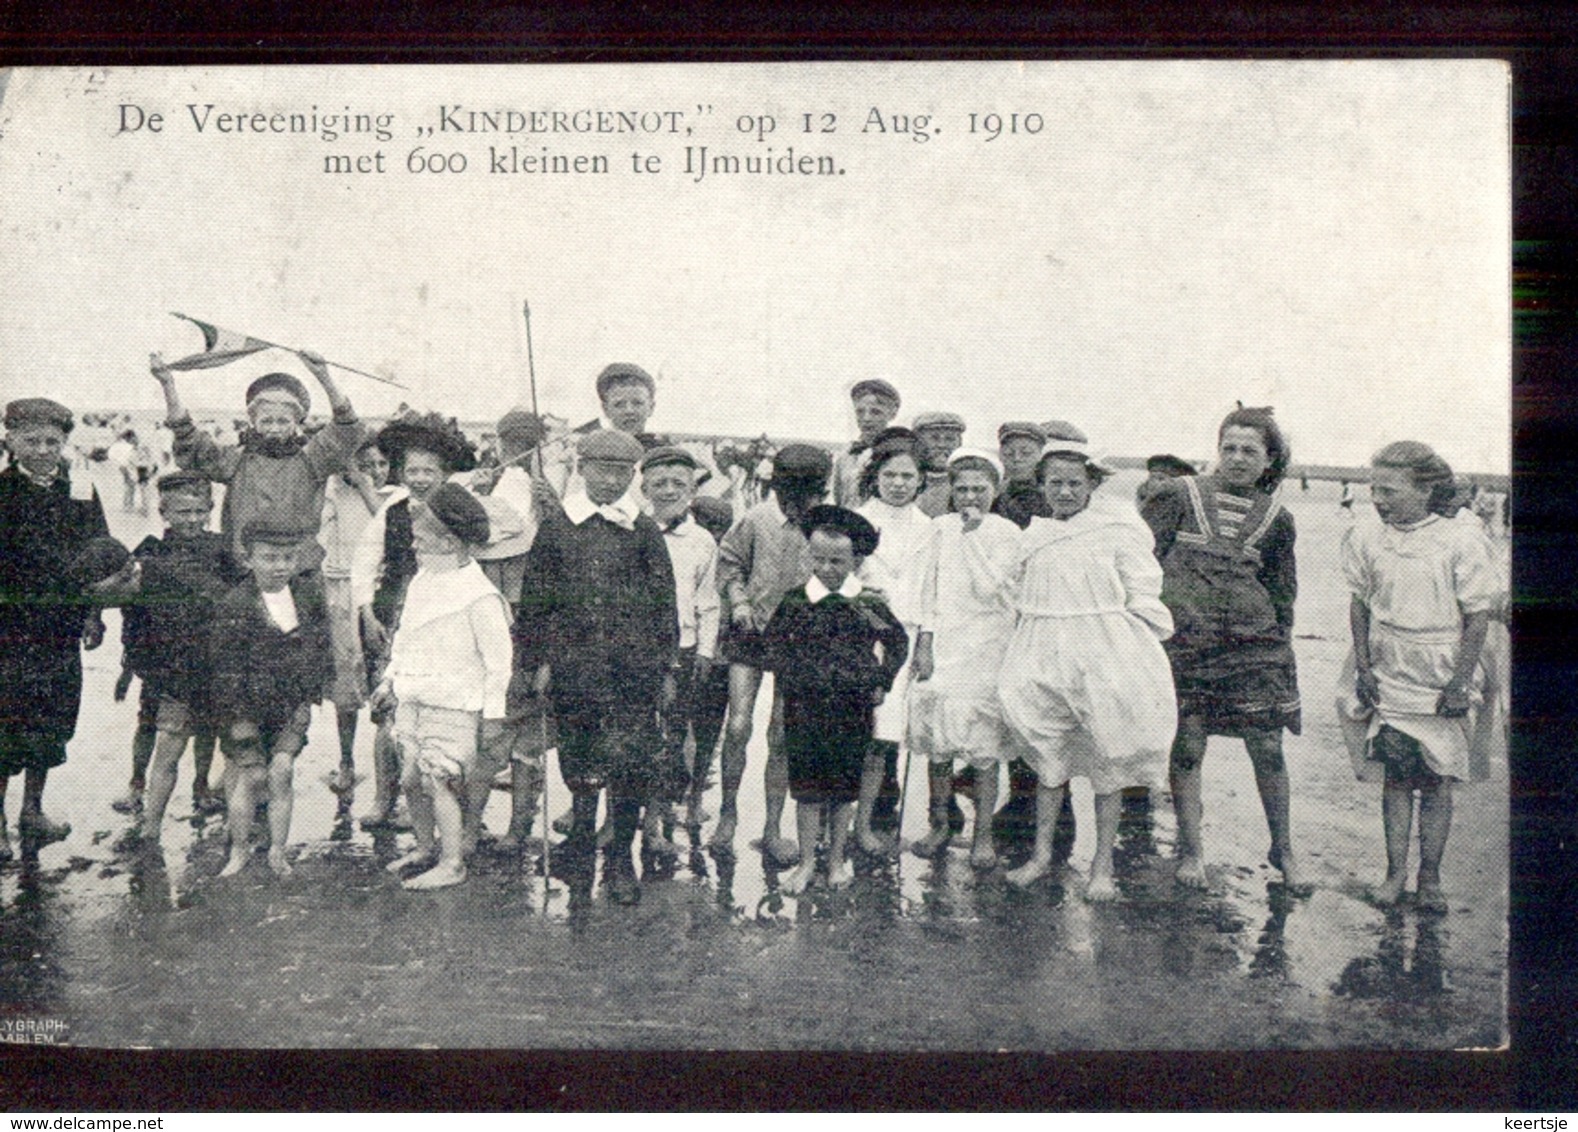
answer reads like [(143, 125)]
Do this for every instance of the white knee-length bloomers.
[(1085, 683)]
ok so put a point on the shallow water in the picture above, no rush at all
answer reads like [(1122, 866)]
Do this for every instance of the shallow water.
[(137, 949)]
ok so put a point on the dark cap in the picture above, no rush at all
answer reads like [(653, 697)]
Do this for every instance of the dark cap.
[(895, 435), (1172, 465), (172, 483), (521, 431), (876, 386), (863, 537), (275, 528), (669, 454), (621, 373), (98, 559), (280, 383), (25, 411), (428, 432), (714, 513), (461, 512), (802, 463), (1027, 429), (609, 445), (1063, 430), (951, 421)]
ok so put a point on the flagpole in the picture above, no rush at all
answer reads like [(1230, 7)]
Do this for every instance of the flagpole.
[(293, 350), (531, 371)]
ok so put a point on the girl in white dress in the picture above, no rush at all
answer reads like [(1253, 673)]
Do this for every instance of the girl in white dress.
[(968, 618), (1422, 589), (891, 481), (1085, 683)]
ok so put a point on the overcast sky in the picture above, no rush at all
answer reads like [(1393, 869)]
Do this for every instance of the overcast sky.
[(1330, 238)]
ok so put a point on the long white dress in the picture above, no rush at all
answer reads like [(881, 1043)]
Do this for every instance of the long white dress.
[(1420, 582), (1085, 683), (967, 608), (897, 568)]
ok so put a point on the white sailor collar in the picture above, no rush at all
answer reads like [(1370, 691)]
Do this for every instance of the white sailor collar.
[(816, 591)]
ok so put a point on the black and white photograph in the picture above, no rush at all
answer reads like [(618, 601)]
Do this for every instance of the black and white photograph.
[(891, 557)]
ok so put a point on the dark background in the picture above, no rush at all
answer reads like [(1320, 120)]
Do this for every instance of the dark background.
[(1539, 1071)]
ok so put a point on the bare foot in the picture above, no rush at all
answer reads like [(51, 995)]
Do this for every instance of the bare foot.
[(564, 822), (779, 848), (1430, 898), (723, 835), (406, 860), (696, 814), (233, 866), (1101, 890), (983, 857), (653, 841), (1029, 872), (933, 843), (35, 826), (875, 844), (1191, 872), (512, 841), (1389, 891), (840, 874), (146, 836), (1293, 878), (439, 876), (128, 803), (799, 880), (277, 862)]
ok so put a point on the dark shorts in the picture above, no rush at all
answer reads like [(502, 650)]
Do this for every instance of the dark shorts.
[(24, 750), (1403, 758), (177, 718), (826, 744), (614, 745), (1240, 693), (288, 737)]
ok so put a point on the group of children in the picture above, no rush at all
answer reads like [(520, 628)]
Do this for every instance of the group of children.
[(986, 608)]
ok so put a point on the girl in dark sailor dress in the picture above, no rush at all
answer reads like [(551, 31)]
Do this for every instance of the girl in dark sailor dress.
[(1229, 580), (45, 525)]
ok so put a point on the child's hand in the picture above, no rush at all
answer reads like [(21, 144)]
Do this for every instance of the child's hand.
[(972, 517), (314, 362), (701, 671), (543, 678), (877, 696), (93, 633), (740, 617), (383, 700), (161, 372), (924, 663), (1367, 688), (373, 630), (1454, 702)]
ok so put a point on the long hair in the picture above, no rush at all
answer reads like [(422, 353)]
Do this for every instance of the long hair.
[(881, 453), (1277, 449), (1428, 470)]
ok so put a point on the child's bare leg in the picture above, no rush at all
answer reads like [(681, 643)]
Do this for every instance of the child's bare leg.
[(1271, 778), (808, 823), (443, 800), (422, 818), (1101, 887), (476, 792), (839, 871), (871, 773), (345, 724), (281, 796), (1049, 800), (653, 839), (774, 844), (1435, 824), (241, 802), (983, 852), (1397, 816), (202, 764), (939, 780), (1184, 773), (6, 852), (525, 785), (744, 682), (143, 741), (386, 779), (162, 772), (32, 822)]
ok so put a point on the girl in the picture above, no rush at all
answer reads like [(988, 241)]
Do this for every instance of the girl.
[(1085, 683), (968, 616), (891, 483), (1226, 549), (1422, 589)]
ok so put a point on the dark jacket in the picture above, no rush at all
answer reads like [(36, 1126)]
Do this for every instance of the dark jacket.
[(261, 674), (165, 628), (828, 650)]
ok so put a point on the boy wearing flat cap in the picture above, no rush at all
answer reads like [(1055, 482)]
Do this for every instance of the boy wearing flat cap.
[(598, 631), (668, 481), (876, 403), (938, 435), (270, 658), (165, 628), (273, 467), (834, 649), (47, 520), (1019, 446), (763, 557), (449, 670)]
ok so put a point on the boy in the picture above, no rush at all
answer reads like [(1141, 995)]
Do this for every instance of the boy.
[(763, 557), (939, 434), (274, 467), (876, 403), (448, 672), (668, 480), (270, 657), (1019, 446), (834, 651), (166, 626), (598, 626), (46, 521)]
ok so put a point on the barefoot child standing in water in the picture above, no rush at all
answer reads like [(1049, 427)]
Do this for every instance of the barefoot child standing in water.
[(834, 651), (271, 657), (1422, 589)]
